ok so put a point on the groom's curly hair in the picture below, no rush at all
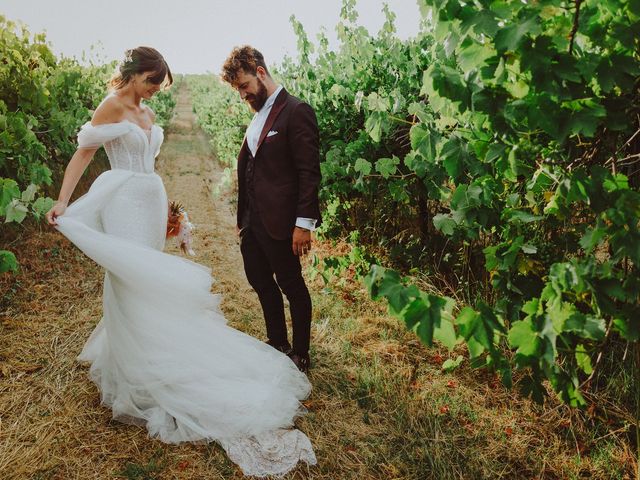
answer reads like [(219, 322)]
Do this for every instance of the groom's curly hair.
[(244, 58)]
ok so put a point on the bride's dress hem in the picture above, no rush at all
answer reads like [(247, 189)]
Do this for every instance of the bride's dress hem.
[(163, 355)]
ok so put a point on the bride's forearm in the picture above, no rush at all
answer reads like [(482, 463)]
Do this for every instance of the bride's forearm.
[(73, 172)]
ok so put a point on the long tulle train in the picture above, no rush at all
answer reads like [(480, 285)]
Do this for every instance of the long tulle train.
[(163, 355)]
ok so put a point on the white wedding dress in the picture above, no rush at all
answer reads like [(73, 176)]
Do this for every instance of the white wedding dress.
[(162, 355)]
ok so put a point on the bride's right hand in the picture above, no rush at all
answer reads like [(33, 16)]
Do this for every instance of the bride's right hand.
[(56, 211)]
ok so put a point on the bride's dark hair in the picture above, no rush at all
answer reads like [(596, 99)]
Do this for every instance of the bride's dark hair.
[(139, 60)]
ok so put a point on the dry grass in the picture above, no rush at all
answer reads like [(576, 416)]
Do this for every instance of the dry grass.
[(381, 407)]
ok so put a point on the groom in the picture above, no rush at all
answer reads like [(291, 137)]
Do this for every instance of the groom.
[(278, 179)]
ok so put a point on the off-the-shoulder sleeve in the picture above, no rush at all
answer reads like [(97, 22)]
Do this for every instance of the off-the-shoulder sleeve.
[(159, 142), (92, 136)]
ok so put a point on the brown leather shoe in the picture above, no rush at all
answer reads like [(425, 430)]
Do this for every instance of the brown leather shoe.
[(303, 362)]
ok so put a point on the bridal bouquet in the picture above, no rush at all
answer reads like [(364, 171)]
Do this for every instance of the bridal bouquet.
[(179, 227)]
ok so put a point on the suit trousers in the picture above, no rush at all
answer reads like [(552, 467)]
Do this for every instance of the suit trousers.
[(265, 257)]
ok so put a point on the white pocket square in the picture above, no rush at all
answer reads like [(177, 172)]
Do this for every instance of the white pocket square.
[(272, 133)]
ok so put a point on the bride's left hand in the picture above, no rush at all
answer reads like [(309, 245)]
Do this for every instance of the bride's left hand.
[(56, 211)]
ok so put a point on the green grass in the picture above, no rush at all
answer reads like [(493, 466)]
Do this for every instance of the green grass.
[(151, 470)]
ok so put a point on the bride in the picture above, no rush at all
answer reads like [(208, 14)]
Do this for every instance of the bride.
[(162, 354)]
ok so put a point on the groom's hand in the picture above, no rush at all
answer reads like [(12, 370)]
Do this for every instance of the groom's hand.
[(301, 241)]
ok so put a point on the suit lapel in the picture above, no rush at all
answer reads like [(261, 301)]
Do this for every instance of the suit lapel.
[(278, 105), (242, 160)]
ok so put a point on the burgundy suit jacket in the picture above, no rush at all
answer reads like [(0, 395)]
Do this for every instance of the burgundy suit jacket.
[(286, 170)]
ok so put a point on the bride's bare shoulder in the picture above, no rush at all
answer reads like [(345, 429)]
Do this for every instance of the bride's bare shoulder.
[(110, 110)]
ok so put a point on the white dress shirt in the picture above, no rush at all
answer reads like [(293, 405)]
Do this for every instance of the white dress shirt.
[(258, 121), (253, 137)]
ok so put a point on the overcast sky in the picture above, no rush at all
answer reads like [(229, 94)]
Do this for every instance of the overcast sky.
[(194, 36)]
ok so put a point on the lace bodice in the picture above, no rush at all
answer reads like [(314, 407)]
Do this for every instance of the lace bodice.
[(127, 145)]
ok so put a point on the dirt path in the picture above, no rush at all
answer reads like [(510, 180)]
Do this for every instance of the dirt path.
[(191, 175)]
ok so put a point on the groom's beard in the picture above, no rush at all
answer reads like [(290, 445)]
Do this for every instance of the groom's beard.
[(258, 100)]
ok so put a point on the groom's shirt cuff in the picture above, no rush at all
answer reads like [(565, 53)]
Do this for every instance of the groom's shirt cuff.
[(308, 223)]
